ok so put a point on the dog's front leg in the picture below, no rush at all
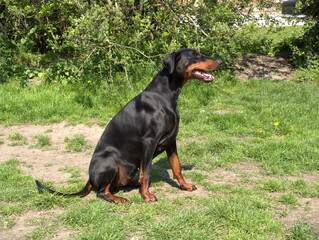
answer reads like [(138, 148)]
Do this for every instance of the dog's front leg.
[(176, 168), (148, 149)]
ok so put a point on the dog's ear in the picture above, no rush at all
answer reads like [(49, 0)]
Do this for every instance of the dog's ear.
[(169, 61)]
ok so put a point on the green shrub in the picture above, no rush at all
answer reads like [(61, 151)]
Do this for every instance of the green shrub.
[(84, 41), (308, 73)]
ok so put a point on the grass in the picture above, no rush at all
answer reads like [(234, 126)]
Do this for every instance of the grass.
[(42, 141), (301, 231), (76, 143), (75, 174), (235, 216), (289, 198), (52, 103), (17, 139), (271, 123)]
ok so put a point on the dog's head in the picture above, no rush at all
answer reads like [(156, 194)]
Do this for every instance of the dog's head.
[(190, 63)]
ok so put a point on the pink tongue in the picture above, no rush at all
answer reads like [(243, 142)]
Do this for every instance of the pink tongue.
[(205, 76)]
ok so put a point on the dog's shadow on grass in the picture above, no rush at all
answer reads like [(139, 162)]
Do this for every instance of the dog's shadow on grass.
[(159, 173)]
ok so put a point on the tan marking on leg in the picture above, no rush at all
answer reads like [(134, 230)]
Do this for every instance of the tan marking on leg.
[(116, 199)]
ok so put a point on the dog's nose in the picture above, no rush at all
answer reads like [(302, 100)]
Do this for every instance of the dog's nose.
[(219, 62)]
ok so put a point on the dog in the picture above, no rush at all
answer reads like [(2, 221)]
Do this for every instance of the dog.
[(144, 128)]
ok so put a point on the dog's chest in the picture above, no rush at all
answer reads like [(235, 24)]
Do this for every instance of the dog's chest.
[(168, 138)]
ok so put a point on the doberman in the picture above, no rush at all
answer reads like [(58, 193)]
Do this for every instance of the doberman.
[(144, 128)]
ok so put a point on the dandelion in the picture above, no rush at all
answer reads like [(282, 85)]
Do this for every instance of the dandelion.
[(276, 124), (292, 129), (89, 81)]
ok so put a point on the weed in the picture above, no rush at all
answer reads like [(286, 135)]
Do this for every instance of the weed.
[(75, 174), (43, 141), (6, 222), (302, 187), (18, 139), (273, 185), (288, 198), (300, 231), (76, 143), (48, 165), (47, 231)]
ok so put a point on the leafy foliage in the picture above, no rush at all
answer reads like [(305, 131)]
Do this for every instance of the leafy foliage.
[(82, 41), (71, 41)]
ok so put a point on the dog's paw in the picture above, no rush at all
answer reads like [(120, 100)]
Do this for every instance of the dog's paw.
[(188, 187), (120, 200), (149, 197)]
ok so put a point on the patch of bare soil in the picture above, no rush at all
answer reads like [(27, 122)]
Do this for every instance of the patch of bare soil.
[(27, 222), (263, 66), (307, 211), (45, 164), (237, 175)]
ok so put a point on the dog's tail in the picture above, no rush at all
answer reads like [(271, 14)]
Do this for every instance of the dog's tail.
[(85, 191)]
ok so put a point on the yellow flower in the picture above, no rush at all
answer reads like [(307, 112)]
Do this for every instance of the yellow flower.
[(276, 124), (292, 129), (89, 81)]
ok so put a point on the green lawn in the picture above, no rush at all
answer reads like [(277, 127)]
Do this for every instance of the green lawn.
[(272, 125)]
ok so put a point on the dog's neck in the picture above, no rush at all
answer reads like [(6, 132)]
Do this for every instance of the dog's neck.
[(166, 84)]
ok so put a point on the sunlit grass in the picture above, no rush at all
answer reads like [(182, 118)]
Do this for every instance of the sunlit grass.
[(271, 123)]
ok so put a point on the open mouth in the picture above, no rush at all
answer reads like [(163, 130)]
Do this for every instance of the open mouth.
[(202, 75)]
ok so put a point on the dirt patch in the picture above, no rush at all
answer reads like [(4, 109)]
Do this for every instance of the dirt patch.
[(173, 192), (42, 163), (26, 223), (263, 66), (250, 167), (237, 175), (307, 211), (225, 177)]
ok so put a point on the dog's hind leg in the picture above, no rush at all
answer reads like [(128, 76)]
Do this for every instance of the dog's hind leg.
[(148, 146), (104, 172), (106, 195)]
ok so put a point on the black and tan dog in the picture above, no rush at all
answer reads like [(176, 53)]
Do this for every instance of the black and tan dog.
[(144, 128)]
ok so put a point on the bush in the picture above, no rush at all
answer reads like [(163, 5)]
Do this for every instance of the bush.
[(83, 41), (8, 68)]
